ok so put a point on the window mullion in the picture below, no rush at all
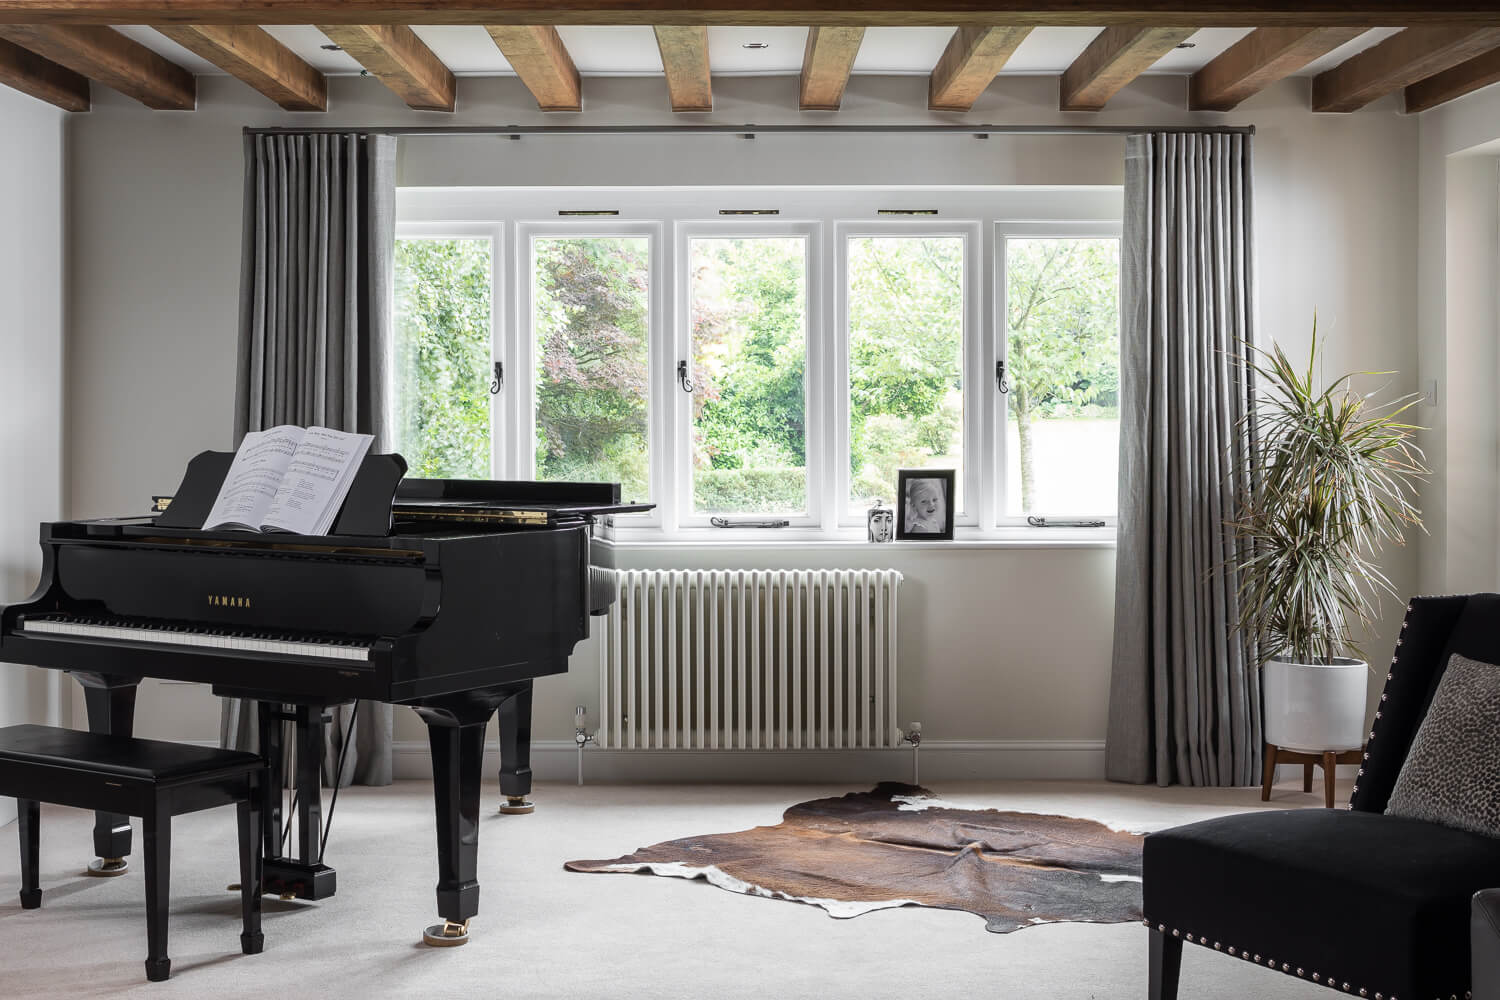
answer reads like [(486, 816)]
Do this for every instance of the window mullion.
[(985, 473)]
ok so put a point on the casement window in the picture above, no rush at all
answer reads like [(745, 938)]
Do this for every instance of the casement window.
[(1061, 322), (766, 354)]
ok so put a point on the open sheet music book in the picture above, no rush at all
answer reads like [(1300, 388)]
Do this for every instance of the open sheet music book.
[(289, 479)]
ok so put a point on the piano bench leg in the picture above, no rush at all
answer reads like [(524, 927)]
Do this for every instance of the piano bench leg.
[(30, 815), (158, 836)]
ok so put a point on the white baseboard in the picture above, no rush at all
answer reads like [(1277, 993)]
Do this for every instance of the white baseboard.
[(1293, 772), (557, 760)]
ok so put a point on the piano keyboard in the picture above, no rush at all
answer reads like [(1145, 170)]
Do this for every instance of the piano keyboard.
[(198, 636)]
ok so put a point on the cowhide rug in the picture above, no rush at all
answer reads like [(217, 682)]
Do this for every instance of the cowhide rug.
[(898, 845)]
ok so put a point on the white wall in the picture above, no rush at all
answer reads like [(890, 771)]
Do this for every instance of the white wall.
[(31, 366), (1459, 267), (1007, 649)]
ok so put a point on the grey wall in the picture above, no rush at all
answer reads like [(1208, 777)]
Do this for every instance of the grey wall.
[(31, 366), (1005, 649)]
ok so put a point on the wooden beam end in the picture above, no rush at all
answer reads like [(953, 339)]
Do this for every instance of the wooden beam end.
[(25, 71)]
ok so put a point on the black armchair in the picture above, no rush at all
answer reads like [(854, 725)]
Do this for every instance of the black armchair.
[(1368, 904)]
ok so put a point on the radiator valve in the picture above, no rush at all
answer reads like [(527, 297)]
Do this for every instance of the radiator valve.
[(581, 735), (913, 735)]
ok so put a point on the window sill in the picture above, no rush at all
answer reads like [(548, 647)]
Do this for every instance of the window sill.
[(814, 538)]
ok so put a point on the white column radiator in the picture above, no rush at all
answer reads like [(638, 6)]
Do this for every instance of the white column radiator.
[(750, 660)]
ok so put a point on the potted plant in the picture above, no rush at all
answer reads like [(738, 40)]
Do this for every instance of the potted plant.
[(1334, 483)]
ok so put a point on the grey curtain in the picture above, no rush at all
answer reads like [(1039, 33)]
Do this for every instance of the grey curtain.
[(315, 331), (1184, 691)]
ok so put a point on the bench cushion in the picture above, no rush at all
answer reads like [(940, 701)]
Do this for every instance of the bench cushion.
[(128, 757), (1381, 902)]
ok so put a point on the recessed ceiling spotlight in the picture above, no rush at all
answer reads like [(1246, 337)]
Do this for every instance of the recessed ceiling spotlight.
[(755, 45), (331, 48), (1187, 45)]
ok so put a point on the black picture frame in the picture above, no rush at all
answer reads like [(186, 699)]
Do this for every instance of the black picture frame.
[(914, 516)]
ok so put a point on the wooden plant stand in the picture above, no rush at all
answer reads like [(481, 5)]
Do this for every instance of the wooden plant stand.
[(1329, 759)]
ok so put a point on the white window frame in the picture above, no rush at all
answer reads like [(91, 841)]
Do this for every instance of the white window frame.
[(976, 471), (520, 347), (495, 233), (1005, 231), (826, 217), (753, 227)]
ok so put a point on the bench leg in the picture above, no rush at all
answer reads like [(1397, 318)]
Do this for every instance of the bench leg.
[(1166, 964), (30, 815), (251, 939), (158, 831)]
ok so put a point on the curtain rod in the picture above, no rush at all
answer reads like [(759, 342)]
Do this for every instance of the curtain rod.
[(751, 130)]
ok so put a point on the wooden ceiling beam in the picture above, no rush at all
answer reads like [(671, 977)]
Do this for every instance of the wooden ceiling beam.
[(1115, 57), (105, 55), (1401, 60), (1465, 78), (537, 54), (826, 62), (897, 13), (1258, 60), (394, 55), (684, 59), (970, 62), (24, 70), (249, 54)]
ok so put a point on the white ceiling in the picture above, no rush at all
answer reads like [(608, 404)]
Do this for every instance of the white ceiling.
[(631, 50)]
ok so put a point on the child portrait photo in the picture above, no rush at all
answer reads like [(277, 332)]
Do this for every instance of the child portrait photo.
[(926, 504)]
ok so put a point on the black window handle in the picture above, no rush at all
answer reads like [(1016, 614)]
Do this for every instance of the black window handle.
[(683, 378), (1000, 382), (498, 382)]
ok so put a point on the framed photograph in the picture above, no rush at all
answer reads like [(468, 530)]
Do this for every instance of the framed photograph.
[(926, 506)]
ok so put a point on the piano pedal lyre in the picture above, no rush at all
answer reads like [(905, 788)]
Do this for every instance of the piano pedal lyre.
[(516, 805), (446, 934), (107, 867)]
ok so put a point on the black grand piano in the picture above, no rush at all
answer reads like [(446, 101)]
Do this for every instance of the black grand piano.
[(450, 596)]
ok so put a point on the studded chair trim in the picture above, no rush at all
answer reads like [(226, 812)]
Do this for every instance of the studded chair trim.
[(1290, 968)]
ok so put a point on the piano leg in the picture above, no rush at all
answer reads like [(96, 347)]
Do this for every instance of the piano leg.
[(515, 751), (457, 739), (110, 701)]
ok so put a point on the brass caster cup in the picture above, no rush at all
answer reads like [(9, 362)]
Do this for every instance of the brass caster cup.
[(446, 934)]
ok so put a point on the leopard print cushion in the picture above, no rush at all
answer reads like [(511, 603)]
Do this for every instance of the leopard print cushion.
[(1450, 775)]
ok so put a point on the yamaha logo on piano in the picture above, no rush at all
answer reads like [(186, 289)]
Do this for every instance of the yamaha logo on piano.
[(226, 601)]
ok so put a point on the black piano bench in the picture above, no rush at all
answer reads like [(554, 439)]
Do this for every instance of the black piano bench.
[(148, 778)]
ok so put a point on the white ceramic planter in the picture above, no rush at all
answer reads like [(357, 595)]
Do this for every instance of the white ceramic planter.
[(1315, 706)]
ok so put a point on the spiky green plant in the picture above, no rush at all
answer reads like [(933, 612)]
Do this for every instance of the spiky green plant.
[(1337, 477)]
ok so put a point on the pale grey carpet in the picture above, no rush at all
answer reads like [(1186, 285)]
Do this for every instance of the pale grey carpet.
[(543, 932)]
